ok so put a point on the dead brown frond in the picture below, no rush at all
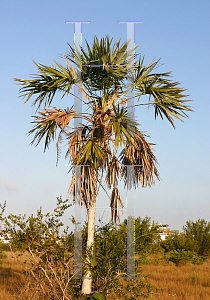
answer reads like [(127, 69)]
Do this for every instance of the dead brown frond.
[(115, 204), (100, 121), (143, 159), (62, 117), (76, 140), (88, 186), (60, 139), (113, 172)]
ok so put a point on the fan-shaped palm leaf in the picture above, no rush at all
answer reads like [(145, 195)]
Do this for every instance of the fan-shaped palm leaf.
[(50, 81), (166, 96), (103, 63)]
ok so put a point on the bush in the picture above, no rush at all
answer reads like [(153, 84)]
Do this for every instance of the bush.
[(49, 266), (196, 237), (110, 255), (143, 259), (181, 257), (146, 236), (108, 263), (174, 241)]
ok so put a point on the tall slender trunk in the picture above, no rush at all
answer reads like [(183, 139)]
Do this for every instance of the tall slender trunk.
[(87, 281)]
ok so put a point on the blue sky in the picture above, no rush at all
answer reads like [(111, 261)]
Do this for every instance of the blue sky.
[(176, 31)]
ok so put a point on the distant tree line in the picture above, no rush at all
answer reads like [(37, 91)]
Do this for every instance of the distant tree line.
[(195, 237)]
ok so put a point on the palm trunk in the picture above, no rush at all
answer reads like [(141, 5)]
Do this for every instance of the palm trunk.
[(87, 281)]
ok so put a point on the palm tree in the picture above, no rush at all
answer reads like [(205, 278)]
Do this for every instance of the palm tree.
[(108, 137)]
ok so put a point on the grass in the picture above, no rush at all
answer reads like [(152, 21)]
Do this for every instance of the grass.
[(11, 277), (188, 282)]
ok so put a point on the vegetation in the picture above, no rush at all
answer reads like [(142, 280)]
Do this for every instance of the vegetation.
[(2, 252), (168, 281), (183, 257), (39, 262), (48, 257), (108, 125), (195, 237)]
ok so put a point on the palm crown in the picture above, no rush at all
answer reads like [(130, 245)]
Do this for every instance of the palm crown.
[(108, 137)]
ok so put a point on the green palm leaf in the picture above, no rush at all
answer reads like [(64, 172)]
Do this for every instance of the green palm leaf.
[(46, 84), (166, 96), (103, 64)]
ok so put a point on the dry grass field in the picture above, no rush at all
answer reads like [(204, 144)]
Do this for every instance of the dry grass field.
[(188, 282), (11, 277)]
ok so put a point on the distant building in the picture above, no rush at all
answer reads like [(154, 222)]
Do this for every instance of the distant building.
[(165, 232)]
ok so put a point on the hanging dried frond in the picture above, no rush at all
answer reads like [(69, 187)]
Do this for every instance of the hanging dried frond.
[(113, 172), (75, 140), (115, 204), (88, 186), (143, 159), (60, 139)]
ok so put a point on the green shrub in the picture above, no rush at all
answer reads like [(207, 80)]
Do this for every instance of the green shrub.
[(108, 263), (196, 237), (181, 257), (146, 236), (98, 296), (48, 268), (110, 255), (197, 260), (174, 241)]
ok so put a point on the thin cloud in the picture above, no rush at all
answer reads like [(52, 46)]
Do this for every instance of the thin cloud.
[(11, 186)]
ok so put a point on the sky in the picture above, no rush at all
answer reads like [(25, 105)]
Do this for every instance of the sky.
[(178, 32)]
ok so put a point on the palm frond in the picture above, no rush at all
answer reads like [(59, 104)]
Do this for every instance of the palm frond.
[(166, 96), (104, 64), (115, 204), (113, 172), (45, 85), (91, 150), (143, 159), (47, 121), (88, 185), (75, 140), (123, 126)]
